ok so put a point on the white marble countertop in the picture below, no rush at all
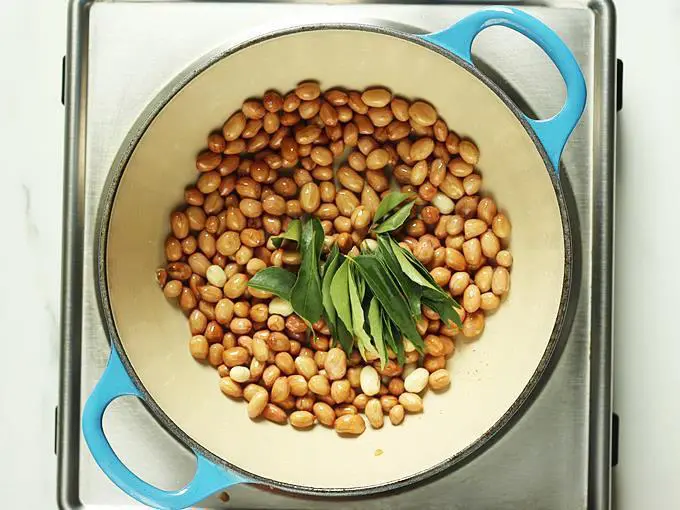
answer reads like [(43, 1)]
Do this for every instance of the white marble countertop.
[(647, 341)]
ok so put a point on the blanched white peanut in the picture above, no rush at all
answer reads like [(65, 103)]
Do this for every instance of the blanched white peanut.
[(443, 203), (416, 381), (216, 276), (239, 374), (408, 345), (369, 380), (278, 306)]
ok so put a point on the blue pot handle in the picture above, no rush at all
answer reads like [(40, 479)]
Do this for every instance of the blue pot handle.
[(115, 382), (553, 132)]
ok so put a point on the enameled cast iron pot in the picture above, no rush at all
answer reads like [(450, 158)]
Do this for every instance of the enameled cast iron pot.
[(492, 377)]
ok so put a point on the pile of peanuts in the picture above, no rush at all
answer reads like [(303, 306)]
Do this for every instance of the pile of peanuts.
[(279, 158)]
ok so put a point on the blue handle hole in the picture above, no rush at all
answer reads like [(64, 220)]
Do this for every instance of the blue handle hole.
[(543, 91), (145, 447)]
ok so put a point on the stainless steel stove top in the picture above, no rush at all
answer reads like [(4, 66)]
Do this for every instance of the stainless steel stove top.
[(555, 456)]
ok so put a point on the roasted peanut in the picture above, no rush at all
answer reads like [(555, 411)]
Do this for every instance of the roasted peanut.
[(285, 363), (411, 402), (439, 379), (335, 364), (397, 414), (240, 326), (422, 113), (472, 251), (340, 390), (473, 325), (280, 390), (235, 356), (350, 180), (257, 404), (374, 413), (375, 97), (490, 244), (432, 363), (471, 298), (489, 301), (199, 347), (469, 152), (396, 386), (274, 413), (486, 210), (310, 197), (459, 168), (230, 388), (319, 385), (298, 385), (501, 226), (441, 275), (504, 258), (474, 228), (324, 413), (351, 424), (236, 286), (421, 149), (500, 281)]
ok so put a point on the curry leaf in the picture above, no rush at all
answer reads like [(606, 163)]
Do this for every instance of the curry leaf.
[(385, 288), (445, 309), (412, 272), (388, 203), (306, 295), (417, 265), (375, 322), (387, 330), (330, 268), (410, 291), (444, 305), (433, 295), (276, 280), (424, 273), (344, 337), (393, 337), (291, 234), (339, 290), (363, 341), (338, 329), (396, 220)]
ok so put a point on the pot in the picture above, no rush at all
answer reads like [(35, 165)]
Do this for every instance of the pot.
[(492, 378)]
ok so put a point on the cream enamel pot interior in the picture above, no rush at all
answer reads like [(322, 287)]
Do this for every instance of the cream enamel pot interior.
[(491, 377)]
